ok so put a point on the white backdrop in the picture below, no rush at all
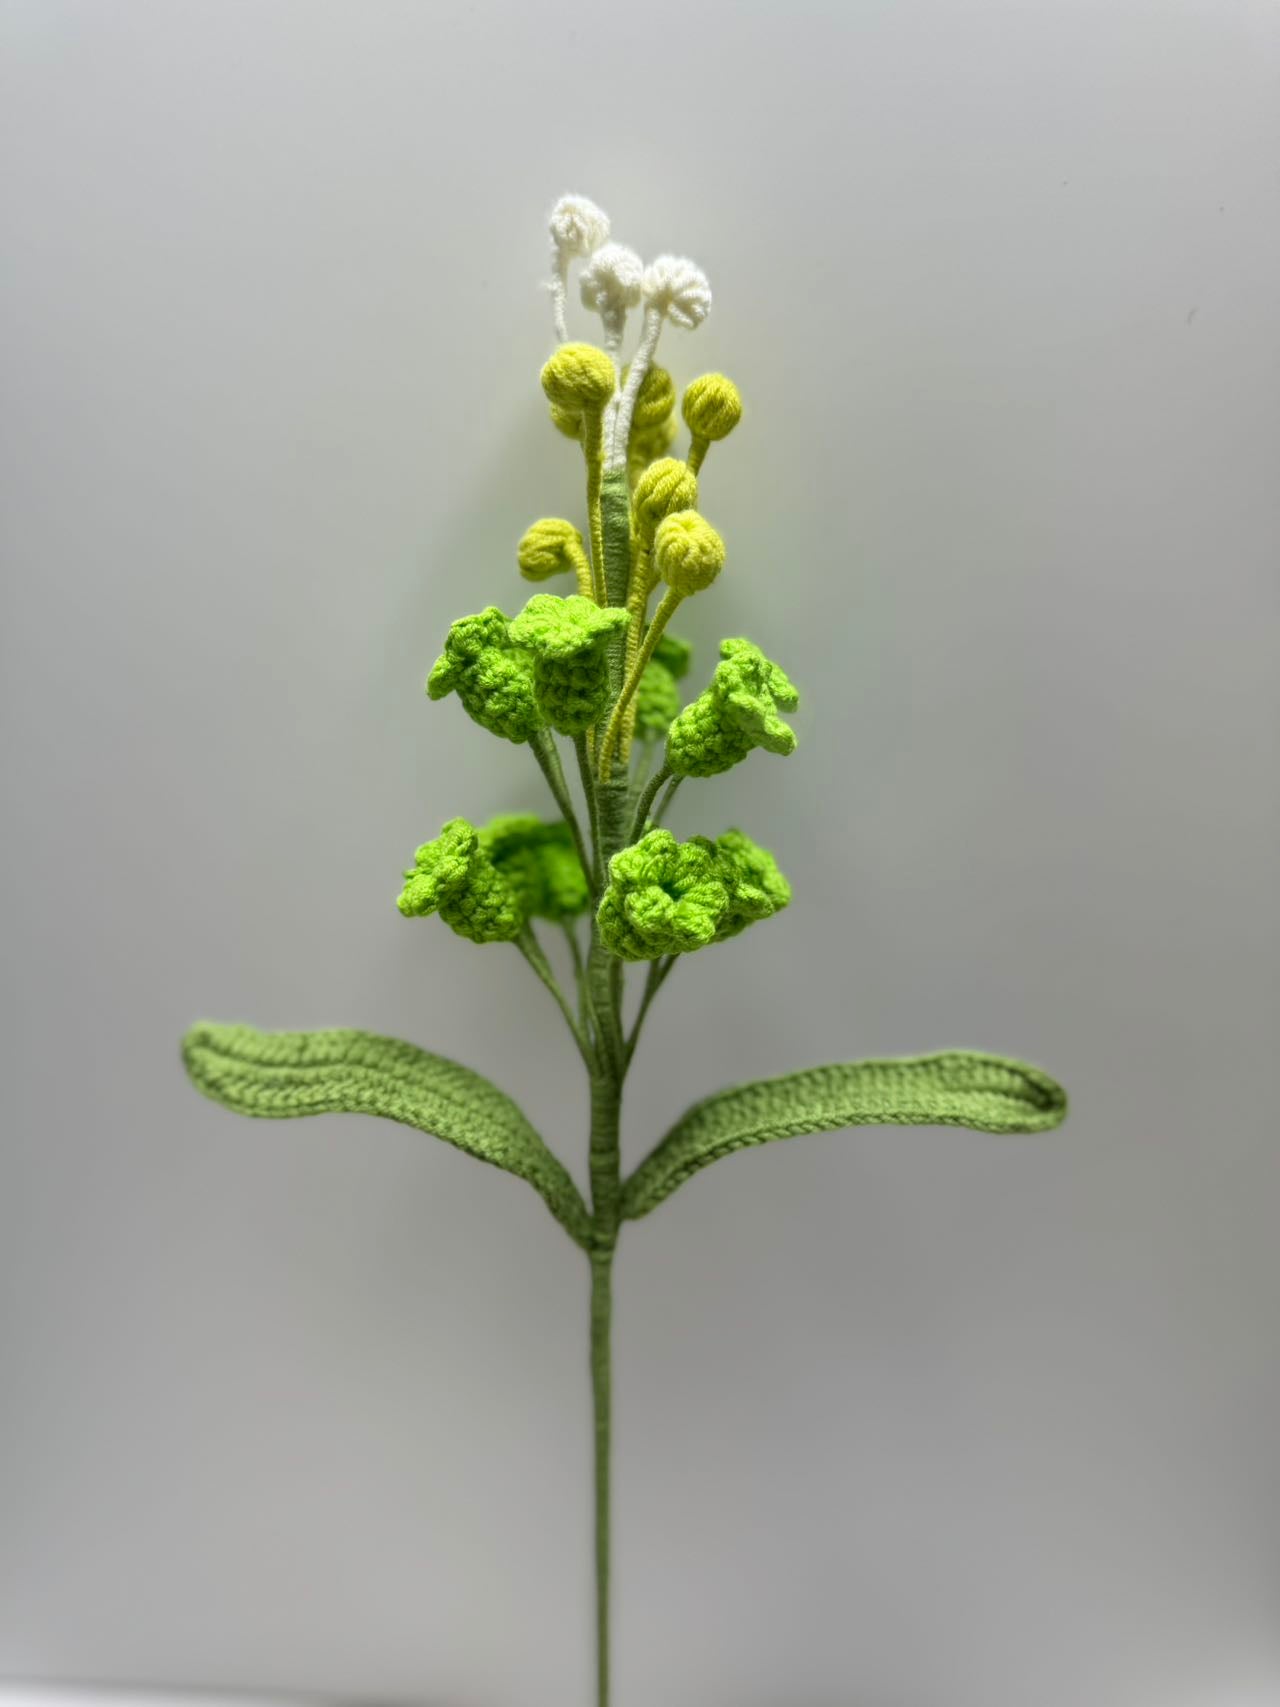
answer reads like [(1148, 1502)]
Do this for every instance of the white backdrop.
[(905, 1419)]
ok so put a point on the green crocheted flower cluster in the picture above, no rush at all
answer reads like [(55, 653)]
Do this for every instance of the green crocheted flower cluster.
[(566, 639), (669, 897), (487, 884), (492, 677), (737, 712)]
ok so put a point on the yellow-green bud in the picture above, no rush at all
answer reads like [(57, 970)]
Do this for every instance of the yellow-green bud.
[(579, 379), (655, 400), (688, 552), (711, 406), (665, 487), (566, 421), (549, 547)]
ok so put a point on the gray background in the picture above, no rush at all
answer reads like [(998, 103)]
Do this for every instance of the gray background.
[(906, 1419)]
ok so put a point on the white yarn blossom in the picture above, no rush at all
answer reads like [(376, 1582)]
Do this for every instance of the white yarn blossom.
[(677, 288), (673, 288), (610, 285), (578, 227)]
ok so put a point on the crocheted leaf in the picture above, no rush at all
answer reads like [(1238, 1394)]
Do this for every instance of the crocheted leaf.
[(281, 1075), (958, 1087)]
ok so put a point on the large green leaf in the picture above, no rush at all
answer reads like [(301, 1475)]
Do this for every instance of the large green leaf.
[(958, 1087), (281, 1075)]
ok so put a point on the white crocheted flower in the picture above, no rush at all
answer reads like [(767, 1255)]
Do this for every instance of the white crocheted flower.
[(678, 288), (578, 226), (612, 279)]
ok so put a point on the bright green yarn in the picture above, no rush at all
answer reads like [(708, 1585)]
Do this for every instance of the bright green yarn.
[(567, 640), (539, 861), (737, 712), (492, 678), (454, 876), (670, 897), (757, 888)]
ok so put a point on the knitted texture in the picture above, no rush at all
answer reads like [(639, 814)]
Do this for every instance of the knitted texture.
[(599, 667), (490, 676), (757, 888), (283, 1075), (957, 1087), (670, 897), (579, 378), (665, 487), (454, 876), (711, 406), (566, 639), (737, 712), (551, 546), (688, 553), (655, 401), (539, 861)]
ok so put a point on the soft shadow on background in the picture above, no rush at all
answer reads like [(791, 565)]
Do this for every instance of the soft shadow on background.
[(923, 1418)]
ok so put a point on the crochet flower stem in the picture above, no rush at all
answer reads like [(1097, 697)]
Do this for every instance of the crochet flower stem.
[(646, 801), (531, 948), (658, 972), (667, 798), (661, 617), (543, 748)]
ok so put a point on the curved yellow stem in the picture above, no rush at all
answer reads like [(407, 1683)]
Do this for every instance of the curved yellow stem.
[(670, 599)]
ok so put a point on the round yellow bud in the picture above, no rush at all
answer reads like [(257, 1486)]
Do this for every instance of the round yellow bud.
[(688, 551), (711, 406), (579, 379), (549, 547), (665, 487)]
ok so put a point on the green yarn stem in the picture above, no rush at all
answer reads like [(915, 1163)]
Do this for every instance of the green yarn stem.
[(658, 971), (601, 1412), (606, 1213), (646, 801), (669, 602), (586, 771), (530, 947), (666, 800), (543, 747)]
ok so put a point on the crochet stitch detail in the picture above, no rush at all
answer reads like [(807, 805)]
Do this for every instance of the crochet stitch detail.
[(283, 1075), (670, 897), (455, 877), (955, 1087), (490, 676), (539, 861), (737, 712), (566, 639)]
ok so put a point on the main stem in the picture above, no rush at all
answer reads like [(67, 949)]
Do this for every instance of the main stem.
[(611, 823)]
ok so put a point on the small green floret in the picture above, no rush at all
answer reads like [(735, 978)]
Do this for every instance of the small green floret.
[(455, 877), (567, 640), (670, 897), (737, 712), (540, 862), (490, 675)]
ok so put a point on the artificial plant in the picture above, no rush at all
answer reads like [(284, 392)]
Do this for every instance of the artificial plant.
[(592, 668)]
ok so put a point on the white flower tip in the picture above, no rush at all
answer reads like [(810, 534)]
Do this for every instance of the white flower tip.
[(678, 288), (578, 226), (612, 279)]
